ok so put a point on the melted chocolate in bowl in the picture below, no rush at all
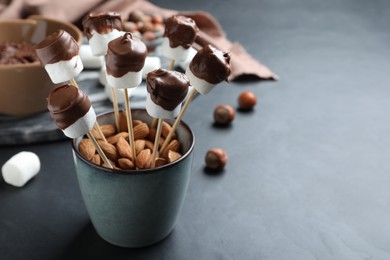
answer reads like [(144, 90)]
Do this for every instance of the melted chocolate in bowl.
[(17, 53)]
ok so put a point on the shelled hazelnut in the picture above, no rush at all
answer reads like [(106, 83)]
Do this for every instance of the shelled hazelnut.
[(224, 114), (216, 159), (246, 100)]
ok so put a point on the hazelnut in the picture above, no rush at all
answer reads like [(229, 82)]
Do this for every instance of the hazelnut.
[(136, 16), (224, 114), (130, 26), (246, 100), (216, 159)]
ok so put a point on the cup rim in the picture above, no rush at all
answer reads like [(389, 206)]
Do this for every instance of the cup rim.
[(139, 171)]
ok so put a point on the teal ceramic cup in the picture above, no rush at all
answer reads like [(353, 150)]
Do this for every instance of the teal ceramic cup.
[(135, 208)]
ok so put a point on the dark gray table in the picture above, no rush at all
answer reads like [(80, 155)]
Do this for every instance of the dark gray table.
[(308, 176)]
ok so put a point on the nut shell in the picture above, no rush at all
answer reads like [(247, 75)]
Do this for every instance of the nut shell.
[(246, 100), (216, 159), (224, 114)]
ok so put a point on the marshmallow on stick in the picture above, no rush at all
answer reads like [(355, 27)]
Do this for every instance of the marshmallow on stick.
[(166, 91), (72, 112), (125, 59), (209, 67), (100, 29), (180, 33), (59, 54)]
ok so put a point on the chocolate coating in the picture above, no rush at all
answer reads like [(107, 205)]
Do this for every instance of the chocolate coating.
[(67, 104), (56, 47), (102, 23), (167, 88), (211, 65), (181, 31), (125, 54)]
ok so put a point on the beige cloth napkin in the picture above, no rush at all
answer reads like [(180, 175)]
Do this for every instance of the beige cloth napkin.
[(242, 64)]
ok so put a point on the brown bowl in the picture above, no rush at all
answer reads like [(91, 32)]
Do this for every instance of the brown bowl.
[(24, 87)]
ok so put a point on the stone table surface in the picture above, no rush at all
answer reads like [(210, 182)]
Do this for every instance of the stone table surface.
[(308, 173)]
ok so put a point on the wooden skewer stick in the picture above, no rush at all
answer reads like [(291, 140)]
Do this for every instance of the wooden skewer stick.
[(129, 122), (171, 64), (156, 141), (99, 150), (178, 119), (154, 123), (96, 124), (116, 108)]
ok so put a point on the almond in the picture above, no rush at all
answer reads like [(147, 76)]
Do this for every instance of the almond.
[(141, 131), (161, 142), (109, 150), (144, 159), (149, 145), (124, 148), (86, 148), (126, 164), (173, 156), (115, 138), (139, 146), (152, 134), (96, 159), (96, 134), (160, 162), (165, 129), (108, 130), (174, 146), (122, 121), (136, 122)]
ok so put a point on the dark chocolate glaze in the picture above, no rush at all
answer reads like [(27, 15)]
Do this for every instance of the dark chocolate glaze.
[(56, 47), (181, 31), (102, 23), (67, 104), (167, 88), (125, 54), (211, 65)]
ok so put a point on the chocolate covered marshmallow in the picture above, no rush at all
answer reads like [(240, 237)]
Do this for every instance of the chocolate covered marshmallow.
[(71, 110), (100, 29), (125, 59), (59, 54), (180, 33), (166, 91), (209, 67)]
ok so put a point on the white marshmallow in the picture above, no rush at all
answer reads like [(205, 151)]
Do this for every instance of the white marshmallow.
[(20, 168), (82, 125), (157, 111), (178, 53), (129, 80), (184, 64), (89, 60), (151, 63), (99, 42), (202, 86), (64, 70)]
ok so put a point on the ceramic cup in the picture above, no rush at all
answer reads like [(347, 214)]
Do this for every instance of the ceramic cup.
[(135, 208)]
